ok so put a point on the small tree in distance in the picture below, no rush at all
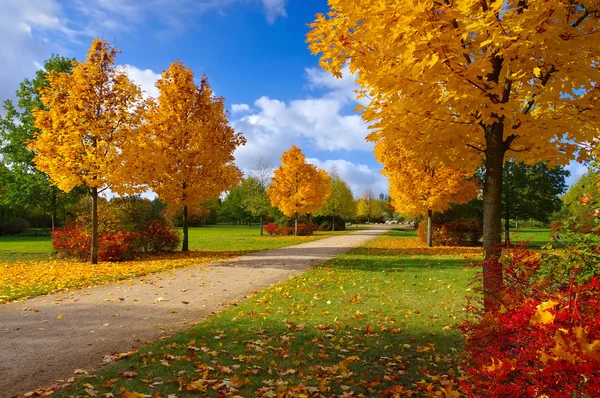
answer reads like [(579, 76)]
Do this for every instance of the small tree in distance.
[(255, 199), (298, 187), (419, 187)]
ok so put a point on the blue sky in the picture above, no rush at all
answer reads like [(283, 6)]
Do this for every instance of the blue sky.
[(253, 52)]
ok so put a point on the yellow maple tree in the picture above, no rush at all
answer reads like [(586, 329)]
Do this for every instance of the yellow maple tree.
[(89, 121), (298, 187), (468, 81), (188, 143), (419, 187)]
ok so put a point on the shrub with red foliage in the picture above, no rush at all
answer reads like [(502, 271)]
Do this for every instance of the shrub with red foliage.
[(116, 246), (459, 232), (285, 231), (271, 229), (540, 342), (158, 237), (71, 241), (75, 241), (306, 229)]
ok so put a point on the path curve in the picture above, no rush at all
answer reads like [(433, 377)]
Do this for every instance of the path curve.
[(46, 338)]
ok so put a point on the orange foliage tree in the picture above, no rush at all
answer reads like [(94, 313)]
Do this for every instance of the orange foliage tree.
[(86, 128), (298, 187), (188, 144), (419, 186), (470, 80)]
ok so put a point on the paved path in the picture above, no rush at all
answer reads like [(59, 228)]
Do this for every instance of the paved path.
[(46, 338)]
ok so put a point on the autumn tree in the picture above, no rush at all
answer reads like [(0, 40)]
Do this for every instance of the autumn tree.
[(467, 81), (298, 187), (369, 207), (419, 187), (86, 124), (341, 201), (188, 143)]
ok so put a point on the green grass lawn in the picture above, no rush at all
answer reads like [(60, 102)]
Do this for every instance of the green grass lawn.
[(370, 322), (536, 237), (221, 238)]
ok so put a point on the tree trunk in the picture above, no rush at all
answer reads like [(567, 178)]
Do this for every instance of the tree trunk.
[(185, 246), (492, 214), (53, 205), (333, 223), (94, 250), (429, 228), (250, 222), (296, 225), (261, 225)]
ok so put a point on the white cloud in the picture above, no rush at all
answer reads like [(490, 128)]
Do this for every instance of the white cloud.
[(359, 177), (274, 9), (240, 108), (146, 79), (22, 50)]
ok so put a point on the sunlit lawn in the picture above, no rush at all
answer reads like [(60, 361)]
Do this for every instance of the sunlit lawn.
[(212, 238), (375, 321), (27, 267)]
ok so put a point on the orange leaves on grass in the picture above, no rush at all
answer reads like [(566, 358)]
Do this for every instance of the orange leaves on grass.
[(413, 246), (27, 278)]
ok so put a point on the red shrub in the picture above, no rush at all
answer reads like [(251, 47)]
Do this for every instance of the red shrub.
[(540, 342), (117, 246), (285, 231), (306, 229), (72, 241), (158, 237), (271, 229)]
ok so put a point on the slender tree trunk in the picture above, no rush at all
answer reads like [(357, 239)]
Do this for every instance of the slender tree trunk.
[(492, 214), (94, 251), (296, 225), (429, 228), (53, 205), (261, 225), (250, 222), (333, 223), (185, 246)]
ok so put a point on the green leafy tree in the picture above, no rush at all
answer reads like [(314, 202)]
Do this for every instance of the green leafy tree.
[(341, 201), (254, 199), (233, 207), (532, 192), (28, 188)]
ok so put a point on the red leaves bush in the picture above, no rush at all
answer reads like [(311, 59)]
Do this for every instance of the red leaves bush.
[(75, 241), (540, 342), (71, 241), (458, 232), (303, 229), (158, 237), (271, 229)]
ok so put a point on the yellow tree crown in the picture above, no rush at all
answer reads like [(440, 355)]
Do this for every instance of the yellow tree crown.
[(298, 187)]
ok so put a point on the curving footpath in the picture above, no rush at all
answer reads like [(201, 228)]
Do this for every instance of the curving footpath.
[(48, 338)]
